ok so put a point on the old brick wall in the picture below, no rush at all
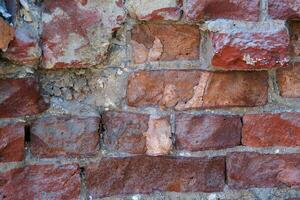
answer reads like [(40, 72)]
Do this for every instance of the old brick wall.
[(140, 99)]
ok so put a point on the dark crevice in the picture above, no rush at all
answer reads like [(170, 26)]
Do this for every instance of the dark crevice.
[(27, 134), (225, 172), (241, 135)]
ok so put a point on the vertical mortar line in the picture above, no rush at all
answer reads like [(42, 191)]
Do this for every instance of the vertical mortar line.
[(83, 188), (173, 128), (273, 92), (263, 10)]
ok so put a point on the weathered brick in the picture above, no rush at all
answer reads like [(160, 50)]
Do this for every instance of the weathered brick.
[(12, 142), (194, 89), (6, 34), (137, 133), (252, 48), (203, 132), (155, 9), (68, 136), (250, 169), (261, 130), (41, 182), (20, 97), (143, 174), (77, 34), (196, 10), (295, 38), (289, 81), (24, 49), (284, 9), (165, 42)]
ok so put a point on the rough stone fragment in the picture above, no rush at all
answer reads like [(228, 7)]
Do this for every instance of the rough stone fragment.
[(249, 46), (68, 136), (262, 130), (162, 42), (20, 97), (284, 9), (158, 136), (12, 142), (41, 182), (6, 34), (295, 38), (289, 81), (137, 133), (250, 169), (193, 89), (83, 31), (24, 49), (154, 10), (196, 10), (196, 133), (144, 174)]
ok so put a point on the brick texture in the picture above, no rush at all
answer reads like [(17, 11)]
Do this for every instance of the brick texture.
[(197, 89), (284, 9), (20, 97), (144, 174), (153, 42), (205, 132), (41, 182), (196, 10), (249, 169), (6, 34), (295, 38), (12, 140), (289, 81), (68, 136)]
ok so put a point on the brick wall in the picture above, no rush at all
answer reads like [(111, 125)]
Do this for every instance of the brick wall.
[(137, 99)]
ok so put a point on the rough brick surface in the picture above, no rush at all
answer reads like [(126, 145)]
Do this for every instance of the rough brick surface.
[(295, 38), (235, 48), (196, 10), (196, 89), (83, 30), (12, 142), (289, 81), (154, 10), (284, 9), (20, 97), (137, 133), (24, 49), (250, 169), (68, 136), (6, 34), (41, 182), (144, 174), (154, 42), (261, 130), (205, 132)]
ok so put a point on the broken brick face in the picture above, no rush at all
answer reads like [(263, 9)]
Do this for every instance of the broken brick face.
[(12, 140), (83, 31), (143, 175), (67, 136), (165, 43)]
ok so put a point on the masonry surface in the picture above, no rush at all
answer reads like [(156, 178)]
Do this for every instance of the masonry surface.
[(139, 99)]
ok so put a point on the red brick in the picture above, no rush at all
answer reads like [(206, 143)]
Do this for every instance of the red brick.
[(295, 38), (68, 136), (77, 34), (262, 130), (12, 142), (196, 10), (41, 182), (136, 133), (162, 42), (24, 49), (245, 49), (155, 9), (250, 169), (6, 34), (20, 97), (143, 174), (203, 132), (284, 9), (289, 81), (194, 89)]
